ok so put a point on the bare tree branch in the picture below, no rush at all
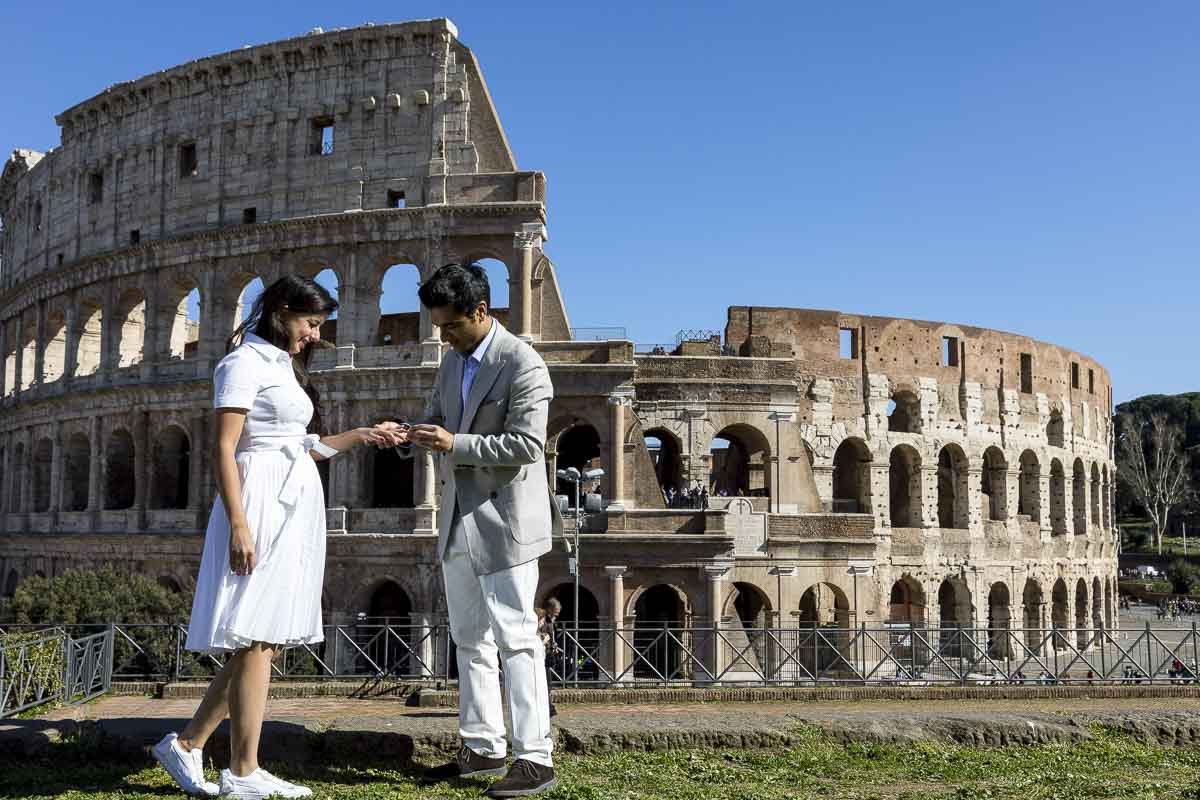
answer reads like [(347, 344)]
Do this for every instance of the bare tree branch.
[(1155, 466)]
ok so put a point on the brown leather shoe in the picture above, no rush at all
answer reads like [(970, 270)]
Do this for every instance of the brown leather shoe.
[(524, 778), (467, 764)]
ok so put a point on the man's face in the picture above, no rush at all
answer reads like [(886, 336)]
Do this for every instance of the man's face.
[(461, 331)]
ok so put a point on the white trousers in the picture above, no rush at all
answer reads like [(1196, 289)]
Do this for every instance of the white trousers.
[(492, 618)]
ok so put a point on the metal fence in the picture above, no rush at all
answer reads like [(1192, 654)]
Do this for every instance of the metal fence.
[(47, 665), (651, 655)]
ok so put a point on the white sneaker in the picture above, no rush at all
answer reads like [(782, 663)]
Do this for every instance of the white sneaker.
[(187, 768), (257, 784)]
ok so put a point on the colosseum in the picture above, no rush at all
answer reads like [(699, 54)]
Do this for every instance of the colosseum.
[(861, 471)]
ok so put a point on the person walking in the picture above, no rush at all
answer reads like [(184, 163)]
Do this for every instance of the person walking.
[(486, 422), (259, 587), (553, 651)]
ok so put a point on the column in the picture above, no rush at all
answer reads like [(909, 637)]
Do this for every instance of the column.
[(95, 466), (716, 594), (525, 242), (199, 455), (426, 492), (616, 465), (929, 494), (881, 499), (72, 333), (141, 467), (26, 473), (431, 343), (616, 602), (975, 515), (19, 354), (56, 468), (150, 326), (3, 355), (39, 347)]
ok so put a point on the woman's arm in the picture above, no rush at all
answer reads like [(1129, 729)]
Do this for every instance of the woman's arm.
[(229, 483), (352, 438)]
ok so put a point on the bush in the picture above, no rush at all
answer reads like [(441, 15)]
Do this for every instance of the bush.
[(1136, 539), (1182, 576)]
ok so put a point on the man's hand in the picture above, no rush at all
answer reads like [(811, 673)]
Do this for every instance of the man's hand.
[(394, 433), (431, 437)]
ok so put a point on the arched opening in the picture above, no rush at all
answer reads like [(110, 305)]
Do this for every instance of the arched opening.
[(953, 486), (328, 278), (29, 346), (172, 469), (399, 306), (248, 296), (1095, 496), (43, 457), (578, 447), (907, 603), (1058, 498), (904, 479), (589, 632), (824, 605), (904, 413), (10, 586), (1032, 598), (54, 352), (658, 617), (1106, 501), (77, 473), (182, 319), (1079, 498), (87, 348), (169, 583), (130, 320), (738, 457), (497, 275), (393, 479), (1097, 605), (664, 450), (954, 613), (1029, 498), (119, 486), (1058, 614), (9, 357), (1056, 430), (1082, 634), (388, 630), (852, 478), (16, 484), (824, 623), (995, 485), (999, 621)]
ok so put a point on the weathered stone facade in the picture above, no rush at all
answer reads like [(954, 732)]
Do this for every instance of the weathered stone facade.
[(965, 474)]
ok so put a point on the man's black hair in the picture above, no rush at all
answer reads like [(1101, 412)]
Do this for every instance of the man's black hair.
[(462, 286)]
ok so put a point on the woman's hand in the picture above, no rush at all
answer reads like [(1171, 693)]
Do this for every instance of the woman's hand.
[(369, 436), (241, 549), (394, 433)]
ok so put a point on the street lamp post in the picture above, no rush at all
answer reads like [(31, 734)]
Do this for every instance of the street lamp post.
[(778, 417), (578, 478)]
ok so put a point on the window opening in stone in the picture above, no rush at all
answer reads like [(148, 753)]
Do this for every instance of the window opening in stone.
[(848, 343), (322, 136), (329, 280), (1074, 375), (1091, 381), (96, 187), (249, 215), (60, 260), (399, 308), (949, 351), (248, 296), (189, 164), (395, 199), (497, 275), (37, 215), (135, 236), (1026, 373)]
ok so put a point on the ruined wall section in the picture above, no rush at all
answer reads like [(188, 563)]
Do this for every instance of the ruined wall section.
[(238, 138)]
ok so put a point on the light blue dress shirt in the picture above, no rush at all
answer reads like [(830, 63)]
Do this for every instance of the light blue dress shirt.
[(471, 364)]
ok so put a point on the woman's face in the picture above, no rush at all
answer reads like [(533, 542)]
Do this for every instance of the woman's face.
[(302, 330)]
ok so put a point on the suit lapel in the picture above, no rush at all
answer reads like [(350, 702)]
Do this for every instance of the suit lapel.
[(489, 370)]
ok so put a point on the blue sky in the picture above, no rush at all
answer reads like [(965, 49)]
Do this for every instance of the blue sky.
[(1027, 166)]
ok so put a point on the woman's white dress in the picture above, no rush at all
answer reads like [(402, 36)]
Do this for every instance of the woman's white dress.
[(280, 601)]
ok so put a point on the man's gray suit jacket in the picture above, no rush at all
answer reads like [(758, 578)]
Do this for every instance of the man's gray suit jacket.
[(496, 470)]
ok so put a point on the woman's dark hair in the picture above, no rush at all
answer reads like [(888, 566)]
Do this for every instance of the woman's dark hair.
[(462, 286), (299, 295)]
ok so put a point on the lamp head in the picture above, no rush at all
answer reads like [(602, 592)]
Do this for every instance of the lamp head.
[(594, 474)]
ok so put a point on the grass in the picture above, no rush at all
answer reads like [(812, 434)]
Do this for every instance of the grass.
[(1110, 765)]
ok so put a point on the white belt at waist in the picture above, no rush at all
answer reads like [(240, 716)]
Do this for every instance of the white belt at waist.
[(294, 448)]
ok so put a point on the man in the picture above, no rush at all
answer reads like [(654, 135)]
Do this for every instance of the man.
[(486, 422), (553, 610)]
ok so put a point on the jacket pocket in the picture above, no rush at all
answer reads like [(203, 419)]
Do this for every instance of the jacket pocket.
[(506, 503)]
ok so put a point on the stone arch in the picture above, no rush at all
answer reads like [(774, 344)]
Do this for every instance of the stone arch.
[(183, 331), (170, 583), (54, 347), (1109, 596), (172, 468), (667, 458), (953, 488), (1059, 605), (1097, 604), (1029, 498), (1106, 500), (17, 477), (658, 609), (77, 472), (247, 288), (1058, 498), (823, 620), (999, 621), (578, 447), (393, 479), (1056, 430), (388, 627), (10, 586), (130, 322), (906, 605), (1081, 614), (995, 484), (396, 318), (564, 593), (1032, 599), (852, 477), (43, 458), (904, 479), (1094, 495), (749, 604), (9, 357), (740, 468), (88, 343), (823, 605), (499, 281), (28, 351), (954, 613), (119, 479), (1079, 497), (904, 412)]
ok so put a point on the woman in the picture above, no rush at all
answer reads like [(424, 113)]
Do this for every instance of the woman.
[(259, 587)]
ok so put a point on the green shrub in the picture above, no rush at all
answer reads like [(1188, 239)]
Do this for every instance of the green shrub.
[(1182, 576)]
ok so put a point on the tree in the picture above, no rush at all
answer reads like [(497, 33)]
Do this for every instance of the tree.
[(96, 597), (1182, 576), (1154, 465)]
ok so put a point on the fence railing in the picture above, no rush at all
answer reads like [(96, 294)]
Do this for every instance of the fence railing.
[(47, 665), (657, 654)]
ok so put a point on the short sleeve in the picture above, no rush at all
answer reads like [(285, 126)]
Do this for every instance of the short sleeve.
[(235, 382)]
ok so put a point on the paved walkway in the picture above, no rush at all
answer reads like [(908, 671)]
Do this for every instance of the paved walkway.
[(309, 728)]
